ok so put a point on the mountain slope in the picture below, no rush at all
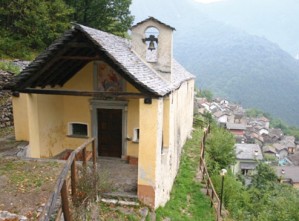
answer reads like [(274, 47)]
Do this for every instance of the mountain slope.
[(244, 68), (277, 20)]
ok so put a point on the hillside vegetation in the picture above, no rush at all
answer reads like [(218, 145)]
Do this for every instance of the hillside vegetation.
[(28, 27), (264, 199)]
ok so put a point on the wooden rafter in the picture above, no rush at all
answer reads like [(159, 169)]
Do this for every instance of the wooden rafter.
[(84, 93)]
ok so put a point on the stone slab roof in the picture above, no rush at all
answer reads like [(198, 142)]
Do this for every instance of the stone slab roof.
[(269, 149), (248, 166), (233, 126), (288, 172), (219, 114), (119, 49), (248, 152), (279, 147), (116, 49), (154, 19)]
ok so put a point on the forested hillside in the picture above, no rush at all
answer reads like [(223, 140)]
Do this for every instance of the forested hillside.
[(244, 68), (27, 27)]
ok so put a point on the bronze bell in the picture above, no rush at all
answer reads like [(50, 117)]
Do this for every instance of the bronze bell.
[(151, 46)]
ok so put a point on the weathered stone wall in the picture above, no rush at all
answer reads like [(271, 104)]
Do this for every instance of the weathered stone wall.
[(6, 116)]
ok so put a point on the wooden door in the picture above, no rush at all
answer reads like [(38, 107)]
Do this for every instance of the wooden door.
[(110, 132)]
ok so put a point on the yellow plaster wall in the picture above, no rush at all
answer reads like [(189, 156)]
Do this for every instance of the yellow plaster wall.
[(49, 115), (76, 110), (178, 109), (33, 126), (166, 122), (131, 88), (44, 119), (73, 109), (50, 121), (83, 80), (20, 112), (132, 122), (45, 116), (148, 115)]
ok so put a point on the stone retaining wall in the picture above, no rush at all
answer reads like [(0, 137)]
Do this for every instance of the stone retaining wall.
[(6, 116)]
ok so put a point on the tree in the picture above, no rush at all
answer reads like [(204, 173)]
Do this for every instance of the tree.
[(220, 148), (108, 15), (253, 112), (205, 93), (31, 24), (264, 176)]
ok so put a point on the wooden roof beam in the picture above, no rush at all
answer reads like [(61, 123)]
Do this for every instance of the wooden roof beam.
[(84, 93)]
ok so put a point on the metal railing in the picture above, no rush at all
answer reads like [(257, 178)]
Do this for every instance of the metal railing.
[(62, 187)]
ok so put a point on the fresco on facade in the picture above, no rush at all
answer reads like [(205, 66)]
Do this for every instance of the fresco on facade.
[(108, 79)]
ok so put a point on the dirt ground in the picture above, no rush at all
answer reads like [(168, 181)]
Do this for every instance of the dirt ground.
[(25, 185)]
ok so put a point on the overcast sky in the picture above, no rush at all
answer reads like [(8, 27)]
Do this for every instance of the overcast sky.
[(208, 1)]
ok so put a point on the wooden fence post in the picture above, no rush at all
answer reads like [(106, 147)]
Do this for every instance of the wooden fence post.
[(212, 201), (84, 156), (203, 150), (94, 159), (65, 203), (208, 186), (74, 179), (94, 155)]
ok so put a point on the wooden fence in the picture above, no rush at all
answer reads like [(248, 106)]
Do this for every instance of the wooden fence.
[(210, 190), (62, 187)]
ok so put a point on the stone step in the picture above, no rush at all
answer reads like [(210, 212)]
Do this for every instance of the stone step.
[(120, 198), (120, 202), (121, 195)]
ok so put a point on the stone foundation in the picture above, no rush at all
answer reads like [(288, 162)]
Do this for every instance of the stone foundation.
[(146, 194)]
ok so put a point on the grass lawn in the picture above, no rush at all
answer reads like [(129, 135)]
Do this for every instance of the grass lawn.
[(187, 202)]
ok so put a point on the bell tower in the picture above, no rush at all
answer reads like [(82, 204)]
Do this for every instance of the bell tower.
[(152, 41)]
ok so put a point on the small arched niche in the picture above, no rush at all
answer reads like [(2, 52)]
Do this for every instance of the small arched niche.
[(151, 41)]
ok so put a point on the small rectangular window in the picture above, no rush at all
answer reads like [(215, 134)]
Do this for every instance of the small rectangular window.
[(136, 135), (78, 129)]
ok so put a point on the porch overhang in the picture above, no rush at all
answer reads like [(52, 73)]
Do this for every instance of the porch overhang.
[(63, 59)]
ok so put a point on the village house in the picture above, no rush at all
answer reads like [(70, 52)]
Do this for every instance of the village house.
[(247, 156), (288, 174), (282, 148), (289, 142), (265, 121), (221, 117), (270, 152), (236, 129), (294, 158), (132, 96)]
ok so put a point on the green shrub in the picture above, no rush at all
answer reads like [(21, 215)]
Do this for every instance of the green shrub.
[(10, 67)]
